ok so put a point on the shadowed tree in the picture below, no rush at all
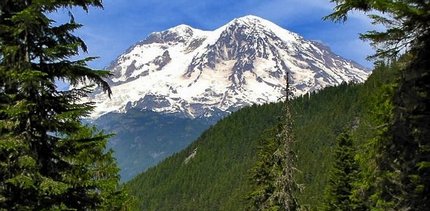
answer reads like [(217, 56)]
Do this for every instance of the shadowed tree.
[(402, 153), (48, 158)]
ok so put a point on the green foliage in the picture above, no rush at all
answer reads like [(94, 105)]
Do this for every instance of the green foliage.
[(218, 176), (234, 151), (390, 168), (373, 131), (215, 177), (268, 170), (343, 175), (275, 187), (399, 179), (262, 176), (320, 118), (402, 142), (411, 133), (370, 127), (407, 23), (284, 163), (48, 159)]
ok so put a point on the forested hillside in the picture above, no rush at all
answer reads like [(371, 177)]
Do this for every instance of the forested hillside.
[(214, 172)]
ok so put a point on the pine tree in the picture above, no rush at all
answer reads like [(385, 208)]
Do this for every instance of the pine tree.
[(48, 158), (402, 155), (285, 159), (262, 176), (273, 174), (406, 21), (342, 176)]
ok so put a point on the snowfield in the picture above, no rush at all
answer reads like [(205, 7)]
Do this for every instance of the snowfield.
[(194, 73)]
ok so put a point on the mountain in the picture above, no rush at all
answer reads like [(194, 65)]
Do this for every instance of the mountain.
[(191, 78), (144, 138), (193, 73), (213, 173)]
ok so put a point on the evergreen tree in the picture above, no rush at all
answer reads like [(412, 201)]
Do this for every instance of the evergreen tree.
[(262, 175), (273, 175), (48, 158), (342, 176), (407, 24), (285, 159), (402, 154)]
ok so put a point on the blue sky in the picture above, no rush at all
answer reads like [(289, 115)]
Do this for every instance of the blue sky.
[(110, 31)]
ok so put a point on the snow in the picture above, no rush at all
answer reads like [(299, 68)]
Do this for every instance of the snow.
[(221, 87), (191, 156)]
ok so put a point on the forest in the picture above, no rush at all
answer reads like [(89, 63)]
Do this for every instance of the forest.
[(220, 176)]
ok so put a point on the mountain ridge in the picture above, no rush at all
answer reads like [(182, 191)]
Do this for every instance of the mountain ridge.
[(193, 73)]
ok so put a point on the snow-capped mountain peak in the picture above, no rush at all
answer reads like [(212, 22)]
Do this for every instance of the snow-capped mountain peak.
[(191, 72)]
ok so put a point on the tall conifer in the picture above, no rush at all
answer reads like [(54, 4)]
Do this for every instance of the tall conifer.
[(273, 175), (342, 176), (285, 186), (403, 150), (48, 158)]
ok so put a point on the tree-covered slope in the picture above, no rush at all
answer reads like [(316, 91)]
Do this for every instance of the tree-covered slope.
[(216, 176), (213, 172)]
